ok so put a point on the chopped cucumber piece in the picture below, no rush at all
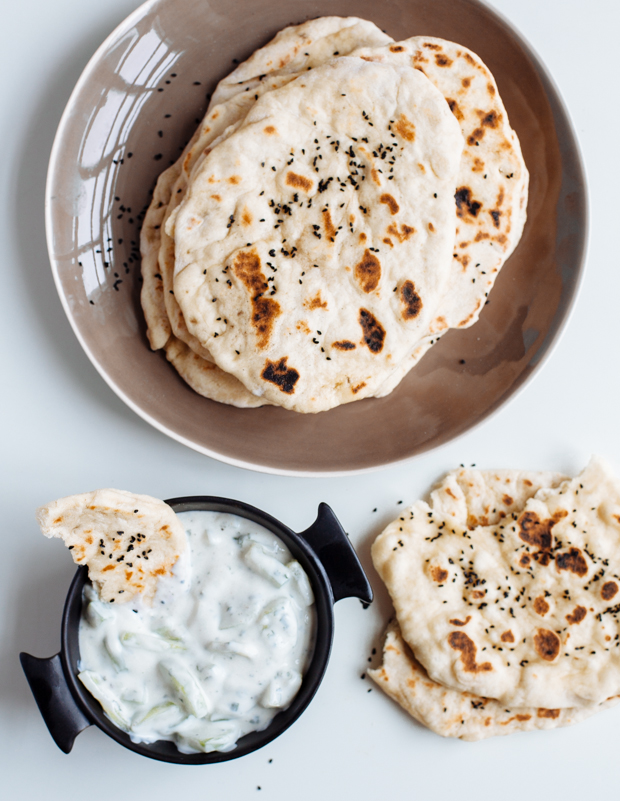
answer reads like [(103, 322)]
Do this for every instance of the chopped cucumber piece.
[(242, 649), (115, 650), (96, 611), (242, 614), (172, 637), (187, 687), (281, 690), (163, 717), (195, 736), (279, 624), (233, 647), (95, 685), (302, 581), (150, 642), (135, 695), (267, 566)]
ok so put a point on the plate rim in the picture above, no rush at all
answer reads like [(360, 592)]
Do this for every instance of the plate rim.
[(552, 92)]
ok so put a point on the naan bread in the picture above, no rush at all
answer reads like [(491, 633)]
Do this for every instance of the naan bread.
[(491, 187), (347, 309), (452, 713), (207, 379), (468, 497), (127, 541), (523, 610), (298, 46), (152, 293)]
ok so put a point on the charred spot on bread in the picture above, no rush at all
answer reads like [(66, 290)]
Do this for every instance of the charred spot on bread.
[(465, 204), (373, 331), (572, 560), (412, 303), (280, 374), (344, 344), (577, 615)]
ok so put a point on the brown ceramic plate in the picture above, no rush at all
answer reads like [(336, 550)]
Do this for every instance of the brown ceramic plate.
[(130, 114)]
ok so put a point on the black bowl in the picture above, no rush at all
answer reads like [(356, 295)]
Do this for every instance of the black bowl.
[(333, 568)]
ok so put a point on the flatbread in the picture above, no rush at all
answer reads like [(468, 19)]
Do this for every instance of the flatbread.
[(492, 187), (226, 230), (491, 190), (525, 610), (152, 293), (451, 713), (469, 497), (207, 379), (297, 46), (491, 203), (127, 541)]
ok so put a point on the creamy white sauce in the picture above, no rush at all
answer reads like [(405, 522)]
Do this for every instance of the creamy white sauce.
[(221, 651)]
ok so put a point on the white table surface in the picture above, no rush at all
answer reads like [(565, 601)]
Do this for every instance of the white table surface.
[(65, 431)]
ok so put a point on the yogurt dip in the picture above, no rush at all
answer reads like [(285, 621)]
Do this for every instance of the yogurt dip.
[(221, 651)]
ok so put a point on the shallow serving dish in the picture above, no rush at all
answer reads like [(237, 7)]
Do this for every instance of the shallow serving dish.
[(137, 103), (327, 556)]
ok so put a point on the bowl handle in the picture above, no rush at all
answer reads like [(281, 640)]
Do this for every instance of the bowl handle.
[(331, 545), (62, 716)]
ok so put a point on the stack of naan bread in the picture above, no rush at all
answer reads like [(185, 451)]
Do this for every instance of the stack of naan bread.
[(506, 591), (345, 201)]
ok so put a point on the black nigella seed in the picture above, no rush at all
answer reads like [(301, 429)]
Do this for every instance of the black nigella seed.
[(158, 156)]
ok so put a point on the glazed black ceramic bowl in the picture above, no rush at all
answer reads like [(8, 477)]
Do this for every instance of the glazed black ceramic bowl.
[(333, 568)]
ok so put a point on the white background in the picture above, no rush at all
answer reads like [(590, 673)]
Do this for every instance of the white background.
[(64, 431)]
